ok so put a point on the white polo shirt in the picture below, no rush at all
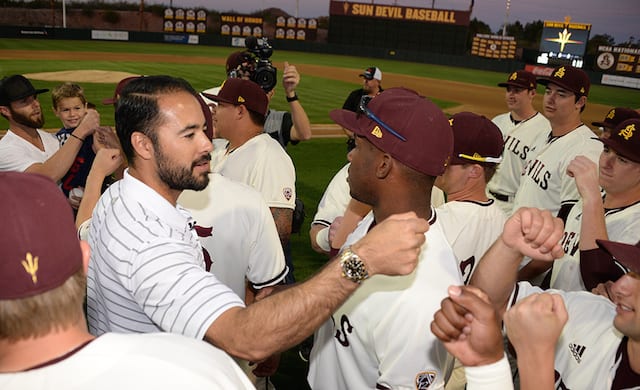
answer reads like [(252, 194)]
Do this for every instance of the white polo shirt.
[(146, 272)]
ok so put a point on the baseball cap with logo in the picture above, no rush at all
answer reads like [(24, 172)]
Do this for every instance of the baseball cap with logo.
[(118, 91), (245, 92), (570, 78), (625, 139), (16, 87), (617, 115), (475, 140), (39, 247), (522, 79), (409, 127), (372, 73)]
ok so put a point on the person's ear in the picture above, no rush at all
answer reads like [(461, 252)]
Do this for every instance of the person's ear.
[(476, 171), (142, 145), (86, 254)]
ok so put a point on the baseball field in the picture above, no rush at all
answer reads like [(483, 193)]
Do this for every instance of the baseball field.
[(326, 81)]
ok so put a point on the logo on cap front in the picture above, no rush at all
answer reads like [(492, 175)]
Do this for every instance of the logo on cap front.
[(559, 73), (30, 265), (376, 132), (627, 132)]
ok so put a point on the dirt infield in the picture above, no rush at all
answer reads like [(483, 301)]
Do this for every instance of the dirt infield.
[(488, 101)]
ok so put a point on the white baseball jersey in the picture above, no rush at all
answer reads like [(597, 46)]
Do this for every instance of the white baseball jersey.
[(379, 338), (262, 163), (588, 354), (237, 233), (521, 141), (135, 361), (146, 272), (545, 183), (17, 154), (471, 228), (335, 199), (623, 225)]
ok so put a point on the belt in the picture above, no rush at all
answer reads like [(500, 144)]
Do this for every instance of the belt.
[(500, 197)]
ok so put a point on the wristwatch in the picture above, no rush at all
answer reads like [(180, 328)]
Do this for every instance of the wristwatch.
[(353, 267)]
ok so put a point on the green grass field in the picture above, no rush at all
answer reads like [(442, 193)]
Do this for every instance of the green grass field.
[(316, 160)]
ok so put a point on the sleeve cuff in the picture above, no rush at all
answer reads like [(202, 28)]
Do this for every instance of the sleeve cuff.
[(494, 376), (322, 239)]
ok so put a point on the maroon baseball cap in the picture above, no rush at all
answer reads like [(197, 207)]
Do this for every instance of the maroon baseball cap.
[(423, 139), (626, 255), (238, 91), (625, 139), (570, 78), (16, 87), (617, 115), (475, 140), (119, 87), (39, 247), (522, 79)]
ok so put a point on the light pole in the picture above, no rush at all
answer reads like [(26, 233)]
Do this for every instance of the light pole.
[(506, 19)]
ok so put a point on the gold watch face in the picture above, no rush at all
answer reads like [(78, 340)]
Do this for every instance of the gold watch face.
[(353, 267)]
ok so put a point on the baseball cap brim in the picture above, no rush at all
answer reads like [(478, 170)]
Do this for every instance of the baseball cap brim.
[(217, 98), (619, 149), (109, 101), (546, 81), (626, 254), (349, 120), (27, 94), (507, 84)]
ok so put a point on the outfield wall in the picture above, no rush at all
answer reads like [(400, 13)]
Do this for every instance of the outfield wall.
[(465, 61)]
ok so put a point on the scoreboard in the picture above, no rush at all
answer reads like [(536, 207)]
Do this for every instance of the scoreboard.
[(494, 46)]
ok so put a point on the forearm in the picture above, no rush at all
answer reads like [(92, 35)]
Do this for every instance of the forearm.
[(593, 225), (533, 269), (60, 162), (352, 216), (496, 274), (301, 130), (283, 219), (536, 370), (265, 327), (92, 192), (319, 238)]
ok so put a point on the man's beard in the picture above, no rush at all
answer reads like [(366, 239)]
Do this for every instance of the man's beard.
[(26, 120), (181, 178)]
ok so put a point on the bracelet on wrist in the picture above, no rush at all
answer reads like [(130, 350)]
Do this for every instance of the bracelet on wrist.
[(292, 98), (76, 137)]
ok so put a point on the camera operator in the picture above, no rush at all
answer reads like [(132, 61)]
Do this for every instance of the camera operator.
[(253, 64)]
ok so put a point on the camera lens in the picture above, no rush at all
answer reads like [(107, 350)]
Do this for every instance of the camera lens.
[(265, 77)]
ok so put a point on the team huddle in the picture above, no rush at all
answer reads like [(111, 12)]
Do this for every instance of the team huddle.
[(447, 238)]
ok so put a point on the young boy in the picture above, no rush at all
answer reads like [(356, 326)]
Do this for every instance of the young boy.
[(70, 106)]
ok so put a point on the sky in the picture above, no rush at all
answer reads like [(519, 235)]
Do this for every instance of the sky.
[(618, 18)]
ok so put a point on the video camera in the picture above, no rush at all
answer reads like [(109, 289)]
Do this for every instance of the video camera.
[(263, 74)]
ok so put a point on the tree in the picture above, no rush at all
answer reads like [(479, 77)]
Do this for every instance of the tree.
[(599, 40)]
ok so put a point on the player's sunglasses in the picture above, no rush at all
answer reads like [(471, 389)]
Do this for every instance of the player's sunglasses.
[(364, 101)]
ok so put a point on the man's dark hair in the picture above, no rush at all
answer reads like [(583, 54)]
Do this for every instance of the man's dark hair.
[(137, 108), (257, 118)]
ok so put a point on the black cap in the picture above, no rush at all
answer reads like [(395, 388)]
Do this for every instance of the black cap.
[(16, 87)]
